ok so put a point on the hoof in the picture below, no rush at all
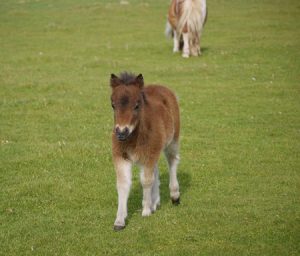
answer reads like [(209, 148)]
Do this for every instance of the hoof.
[(195, 54), (155, 207), (176, 201), (118, 228), (146, 212)]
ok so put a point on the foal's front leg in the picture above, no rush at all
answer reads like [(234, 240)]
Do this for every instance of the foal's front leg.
[(123, 171)]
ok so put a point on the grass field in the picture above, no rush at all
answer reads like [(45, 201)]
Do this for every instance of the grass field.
[(240, 139)]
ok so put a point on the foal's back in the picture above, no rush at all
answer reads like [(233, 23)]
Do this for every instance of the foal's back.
[(162, 106)]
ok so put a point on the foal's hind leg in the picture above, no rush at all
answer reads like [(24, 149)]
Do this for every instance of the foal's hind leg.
[(155, 190), (150, 183), (147, 181), (172, 156)]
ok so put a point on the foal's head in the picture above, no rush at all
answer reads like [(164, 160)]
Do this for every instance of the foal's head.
[(127, 100)]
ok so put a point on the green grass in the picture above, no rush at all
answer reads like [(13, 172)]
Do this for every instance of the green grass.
[(240, 140)]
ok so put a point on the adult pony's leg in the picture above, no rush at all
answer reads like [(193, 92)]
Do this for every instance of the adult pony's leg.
[(147, 181), (199, 47), (155, 190), (195, 46), (171, 153), (176, 42), (123, 170), (186, 47)]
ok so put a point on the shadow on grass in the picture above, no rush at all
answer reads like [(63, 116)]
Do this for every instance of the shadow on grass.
[(204, 50), (136, 194)]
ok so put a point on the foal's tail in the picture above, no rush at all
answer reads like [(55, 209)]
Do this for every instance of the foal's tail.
[(193, 17)]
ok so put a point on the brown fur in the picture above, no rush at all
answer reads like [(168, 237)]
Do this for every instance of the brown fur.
[(157, 123), (146, 123), (187, 19), (174, 14)]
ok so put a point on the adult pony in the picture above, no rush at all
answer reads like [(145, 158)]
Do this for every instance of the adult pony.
[(146, 122), (186, 19)]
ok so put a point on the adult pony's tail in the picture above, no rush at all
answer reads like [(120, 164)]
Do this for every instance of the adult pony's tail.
[(193, 15)]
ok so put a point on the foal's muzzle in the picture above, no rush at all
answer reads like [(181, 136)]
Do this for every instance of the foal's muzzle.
[(122, 134)]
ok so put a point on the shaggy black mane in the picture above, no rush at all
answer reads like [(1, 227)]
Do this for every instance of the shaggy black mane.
[(127, 78)]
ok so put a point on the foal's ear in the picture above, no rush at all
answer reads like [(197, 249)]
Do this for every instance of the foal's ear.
[(114, 81), (140, 81)]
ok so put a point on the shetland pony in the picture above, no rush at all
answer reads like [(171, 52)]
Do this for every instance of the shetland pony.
[(186, 19), (146, 122)]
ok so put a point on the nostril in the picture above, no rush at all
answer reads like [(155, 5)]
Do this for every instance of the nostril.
[(123, 132), (126, 130)]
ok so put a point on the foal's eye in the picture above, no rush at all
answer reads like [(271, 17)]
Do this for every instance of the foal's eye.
[(137, 106), (113, 105)]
